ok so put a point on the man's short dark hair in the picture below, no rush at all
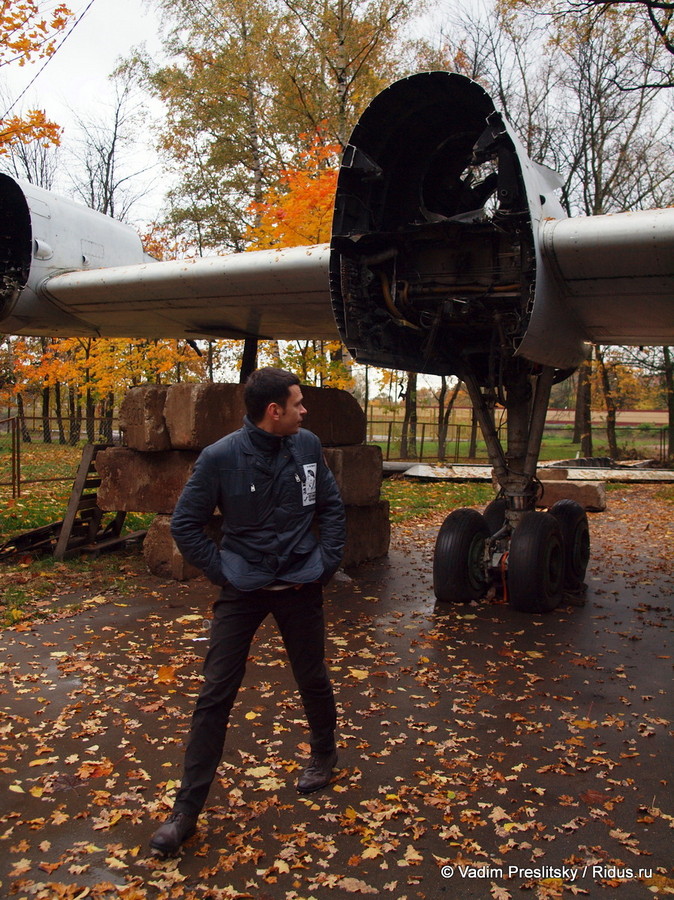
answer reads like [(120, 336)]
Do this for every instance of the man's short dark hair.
[(265, 386)]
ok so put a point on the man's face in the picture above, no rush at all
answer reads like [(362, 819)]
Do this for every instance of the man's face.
[(289, 418)]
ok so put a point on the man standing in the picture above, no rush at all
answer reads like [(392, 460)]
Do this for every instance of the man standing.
[(270, 482)]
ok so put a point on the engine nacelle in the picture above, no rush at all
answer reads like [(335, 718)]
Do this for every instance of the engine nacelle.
[(435, 261), (41, 235)]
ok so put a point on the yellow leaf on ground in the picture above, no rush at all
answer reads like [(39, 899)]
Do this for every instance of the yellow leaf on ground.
[(360, 674), (259, 771), (166, 675)]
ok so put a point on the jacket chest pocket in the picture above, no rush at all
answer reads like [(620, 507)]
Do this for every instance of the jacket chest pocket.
[(241, 490)]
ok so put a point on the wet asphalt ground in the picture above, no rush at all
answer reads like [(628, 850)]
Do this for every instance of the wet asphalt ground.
[(483, 752)]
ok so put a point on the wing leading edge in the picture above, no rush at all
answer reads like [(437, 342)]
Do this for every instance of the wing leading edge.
[(268, 294)]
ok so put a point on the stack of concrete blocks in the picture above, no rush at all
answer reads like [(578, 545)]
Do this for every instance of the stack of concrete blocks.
[(556, 486), (164, 430)]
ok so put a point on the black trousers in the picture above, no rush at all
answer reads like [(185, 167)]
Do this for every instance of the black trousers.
[(236, 617)]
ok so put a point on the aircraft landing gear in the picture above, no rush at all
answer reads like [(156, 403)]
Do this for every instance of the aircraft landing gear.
[(536, 563), (575, 532), (458, 564), (537, 555)]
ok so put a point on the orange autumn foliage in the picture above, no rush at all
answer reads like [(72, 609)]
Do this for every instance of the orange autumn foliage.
[(100, 365), (34, 126), (26, 33), (297, 210)]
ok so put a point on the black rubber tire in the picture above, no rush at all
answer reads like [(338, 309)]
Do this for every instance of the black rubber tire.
[(458, 572), (536, 563), (494, 514), (575, 530)]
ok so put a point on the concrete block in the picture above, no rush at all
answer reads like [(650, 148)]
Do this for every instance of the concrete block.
[(358, 472), (552, 473), (142, 482), (368, 533), (590, 494), (141, 418), (200, 414), (161, 554), (334, 415)]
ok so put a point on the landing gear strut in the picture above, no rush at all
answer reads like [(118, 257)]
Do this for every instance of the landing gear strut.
[(539, 555)]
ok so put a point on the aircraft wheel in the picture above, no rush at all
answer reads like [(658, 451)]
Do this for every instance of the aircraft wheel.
[(536, 563), (458, 571), (572, 520), (494, 514)]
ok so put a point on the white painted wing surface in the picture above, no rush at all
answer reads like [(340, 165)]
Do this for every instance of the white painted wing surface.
[(280, 294), (616, 274)]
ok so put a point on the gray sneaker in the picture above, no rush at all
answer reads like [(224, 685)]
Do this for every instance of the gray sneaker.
[(317, 773)]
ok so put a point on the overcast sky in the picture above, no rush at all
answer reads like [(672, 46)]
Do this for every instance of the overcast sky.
[(76, 76), (75, 80)]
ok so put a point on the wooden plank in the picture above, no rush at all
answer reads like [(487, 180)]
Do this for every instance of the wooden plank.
[(112, 543), (88, 456)]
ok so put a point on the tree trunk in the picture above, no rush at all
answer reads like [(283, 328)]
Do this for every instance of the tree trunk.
[(582, 433), (90, 413), (59, 413), (209, 361), (75, 411), (408, 440), (46, 423), (669, 382), (444, 412), (609, 400), (275, 352), (107, 411), (25, 434)]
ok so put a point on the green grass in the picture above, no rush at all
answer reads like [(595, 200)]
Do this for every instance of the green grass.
[(46, 502), (416, 499), (636, 443), (38, 589), (47, 475), (664, 491)]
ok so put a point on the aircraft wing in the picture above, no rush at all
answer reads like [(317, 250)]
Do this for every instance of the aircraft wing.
[(618, 274), (448, 245), (67, 270), (268, 294)]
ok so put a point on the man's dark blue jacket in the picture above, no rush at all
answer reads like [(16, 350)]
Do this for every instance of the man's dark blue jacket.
[(269, 489)]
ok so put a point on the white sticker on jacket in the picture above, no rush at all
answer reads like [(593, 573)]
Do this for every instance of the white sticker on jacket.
[(309, 484)]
